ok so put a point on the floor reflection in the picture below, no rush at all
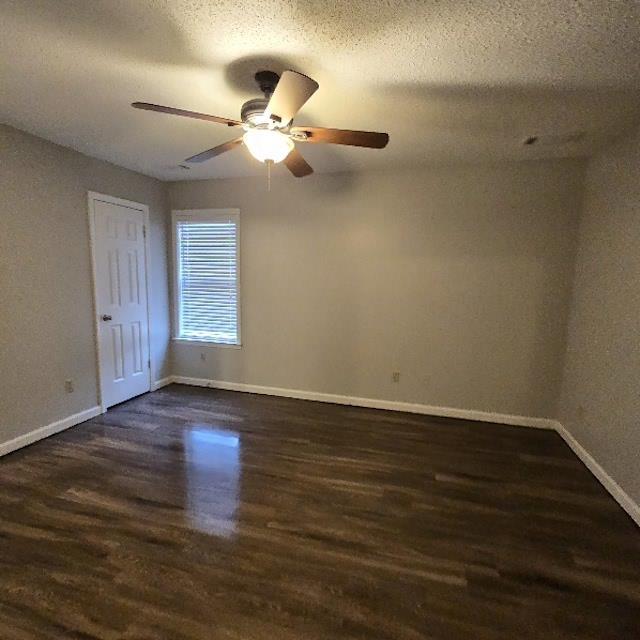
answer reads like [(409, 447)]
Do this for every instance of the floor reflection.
[(213, 479)]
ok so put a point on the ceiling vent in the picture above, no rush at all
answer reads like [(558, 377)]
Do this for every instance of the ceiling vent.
[(555, 139)]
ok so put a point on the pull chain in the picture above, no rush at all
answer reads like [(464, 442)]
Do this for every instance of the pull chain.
[(269, 162)]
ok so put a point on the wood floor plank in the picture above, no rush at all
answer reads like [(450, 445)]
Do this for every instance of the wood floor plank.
[(200, 514)]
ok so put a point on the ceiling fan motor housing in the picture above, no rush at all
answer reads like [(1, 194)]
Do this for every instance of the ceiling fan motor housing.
[(253, 110)]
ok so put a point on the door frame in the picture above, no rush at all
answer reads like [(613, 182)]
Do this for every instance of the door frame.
[(93, 197)]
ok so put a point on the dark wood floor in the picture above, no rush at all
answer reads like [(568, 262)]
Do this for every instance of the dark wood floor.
[(192, 513)]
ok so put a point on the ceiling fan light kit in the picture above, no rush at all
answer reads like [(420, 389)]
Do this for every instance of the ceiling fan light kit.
[(268, 144), (267, 122)]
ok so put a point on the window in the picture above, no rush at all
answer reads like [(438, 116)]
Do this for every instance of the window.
[(207, 291)]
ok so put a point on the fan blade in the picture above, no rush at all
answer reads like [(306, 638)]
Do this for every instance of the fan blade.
[(216, 151), (370, 139), (291, 92), (186, 114), (297, 164)]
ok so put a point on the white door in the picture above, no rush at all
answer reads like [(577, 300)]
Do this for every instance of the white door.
[(121, 300)]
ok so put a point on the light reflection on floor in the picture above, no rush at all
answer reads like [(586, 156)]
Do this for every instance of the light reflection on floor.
[(213, 479)]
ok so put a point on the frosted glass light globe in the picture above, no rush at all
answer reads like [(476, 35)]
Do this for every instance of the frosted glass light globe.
[(268, 144)]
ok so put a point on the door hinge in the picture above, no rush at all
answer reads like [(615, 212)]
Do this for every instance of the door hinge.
[(144, 230), (149, 364)]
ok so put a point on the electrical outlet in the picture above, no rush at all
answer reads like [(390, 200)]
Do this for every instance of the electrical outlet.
[(203, 357), (68, 386), (395, 376)]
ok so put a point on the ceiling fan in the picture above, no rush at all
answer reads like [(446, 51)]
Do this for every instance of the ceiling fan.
[(269, 133)]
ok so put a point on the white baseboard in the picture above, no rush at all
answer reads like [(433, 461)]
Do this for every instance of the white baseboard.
[(163, 382), (372, 403), (618, 493), (48, 430)]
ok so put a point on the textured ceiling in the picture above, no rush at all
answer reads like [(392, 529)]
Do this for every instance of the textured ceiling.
[(449, 80)]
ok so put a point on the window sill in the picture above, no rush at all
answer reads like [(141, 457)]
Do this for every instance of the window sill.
[(206, 343)]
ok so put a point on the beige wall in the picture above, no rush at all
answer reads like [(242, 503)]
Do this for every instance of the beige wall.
[(600, 401), (458, 277), (46, 317)]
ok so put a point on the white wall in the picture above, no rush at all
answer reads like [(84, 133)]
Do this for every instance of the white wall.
[(46, 316), (600, 401), (458, 277)]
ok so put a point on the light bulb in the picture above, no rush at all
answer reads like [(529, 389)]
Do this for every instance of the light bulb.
[(268, 144)]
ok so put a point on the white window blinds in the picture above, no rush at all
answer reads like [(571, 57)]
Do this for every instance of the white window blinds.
[(207, 257)]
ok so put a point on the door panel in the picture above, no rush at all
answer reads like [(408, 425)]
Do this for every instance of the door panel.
[(121, 296), (117, 351)]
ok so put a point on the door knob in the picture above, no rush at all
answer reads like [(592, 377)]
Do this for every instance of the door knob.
[(106, 318)]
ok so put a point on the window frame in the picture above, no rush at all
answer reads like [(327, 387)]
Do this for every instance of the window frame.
[(204, 215)]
